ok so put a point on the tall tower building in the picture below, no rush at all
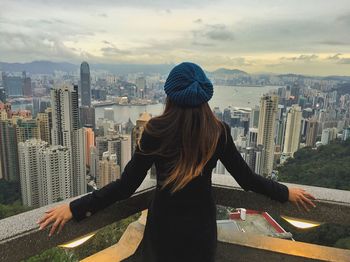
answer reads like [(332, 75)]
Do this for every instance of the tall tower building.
[(8, 151), (311, 132), (87, 116), (94, 161), (45, 173), (124, 151), (346, 134), (141, 87), (85, 84), (65, 115), (293, 130), (252, 137), (266, 131), (66, 132), (89, 143), (119, 145), (280, 126), (27, 129), (55, 174), (254, 117), (29, 166), (79, 182), (108, 170), (44, 127)]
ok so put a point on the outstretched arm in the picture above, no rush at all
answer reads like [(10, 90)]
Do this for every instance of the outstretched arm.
[(245, 177), (122, 188), (248, 180)]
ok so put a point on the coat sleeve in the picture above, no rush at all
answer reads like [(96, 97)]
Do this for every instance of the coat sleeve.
[(245, 177), (122, 188)]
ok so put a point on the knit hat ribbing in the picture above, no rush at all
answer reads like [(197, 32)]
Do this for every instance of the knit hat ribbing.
[(187, 85)]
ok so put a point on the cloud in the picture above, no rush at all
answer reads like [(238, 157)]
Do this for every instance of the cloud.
[(334, 57), (304, 58), (334, 43), (344, 19), (344, 61), (92, 4), (103, 15), (35, 48), (202, 44), (112, 51), (216, 32), (240, 61), (198, 21)]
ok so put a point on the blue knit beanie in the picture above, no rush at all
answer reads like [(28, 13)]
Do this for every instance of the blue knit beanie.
[(188, 86)]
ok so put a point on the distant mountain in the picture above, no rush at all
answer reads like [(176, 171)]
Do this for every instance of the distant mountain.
[(225, 71), (291, 75), (48, 67), (337, 78), (123, 69), (38, 67)]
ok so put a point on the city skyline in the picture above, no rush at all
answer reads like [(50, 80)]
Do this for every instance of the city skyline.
[(256, 37)]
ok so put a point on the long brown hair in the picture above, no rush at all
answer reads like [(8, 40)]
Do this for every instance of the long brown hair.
[(188, 137)]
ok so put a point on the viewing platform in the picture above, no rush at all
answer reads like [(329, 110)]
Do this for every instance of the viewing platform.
[(20, 237)]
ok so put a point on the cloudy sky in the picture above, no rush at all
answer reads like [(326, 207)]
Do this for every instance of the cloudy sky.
[(297, 36)]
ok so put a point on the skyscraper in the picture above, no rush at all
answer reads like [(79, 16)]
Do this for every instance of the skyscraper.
[(293, 130), (311, 132), (13, 85), (29, 166), (55, 174), (2, 95), (85, 84), (346, 134), (141, 87), (27, 129), (89, 142), (65, 118), (8, 151), (108, 170), (66, 132), (119, 145), (266, 131), (254, 117), (44, 126), (87, 116)]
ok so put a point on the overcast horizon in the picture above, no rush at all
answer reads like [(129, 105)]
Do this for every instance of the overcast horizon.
[(302, 37)]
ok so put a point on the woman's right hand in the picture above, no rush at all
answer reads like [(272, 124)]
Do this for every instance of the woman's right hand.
[(299, 197), (58, 215)]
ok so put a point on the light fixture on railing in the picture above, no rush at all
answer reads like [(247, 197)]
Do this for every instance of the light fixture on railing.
[(301, 223), (77, 242)]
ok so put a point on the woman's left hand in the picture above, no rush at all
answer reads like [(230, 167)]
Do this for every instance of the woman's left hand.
[(299, 197), (58, 215)]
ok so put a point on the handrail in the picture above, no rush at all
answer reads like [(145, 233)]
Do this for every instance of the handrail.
[(20, 237)]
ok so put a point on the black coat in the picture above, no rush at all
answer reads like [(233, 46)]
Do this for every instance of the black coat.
[(182, 226)]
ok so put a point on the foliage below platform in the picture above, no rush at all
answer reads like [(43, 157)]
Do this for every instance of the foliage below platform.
[(328, 166)]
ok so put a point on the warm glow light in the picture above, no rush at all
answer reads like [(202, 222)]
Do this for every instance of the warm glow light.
[(77, 242), (301, 223)]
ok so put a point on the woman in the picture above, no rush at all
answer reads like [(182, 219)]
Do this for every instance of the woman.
[(184, 143)]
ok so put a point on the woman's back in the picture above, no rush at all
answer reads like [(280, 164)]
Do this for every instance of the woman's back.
[(184, 143)]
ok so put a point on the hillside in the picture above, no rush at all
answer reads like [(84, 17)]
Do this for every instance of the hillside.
[(328, 166)]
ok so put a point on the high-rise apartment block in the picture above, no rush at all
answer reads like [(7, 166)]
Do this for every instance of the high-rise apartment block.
[(266, 131), (45, 172), (292, 131)]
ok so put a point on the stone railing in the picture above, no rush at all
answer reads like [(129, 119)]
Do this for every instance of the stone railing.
[(20, 237)]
